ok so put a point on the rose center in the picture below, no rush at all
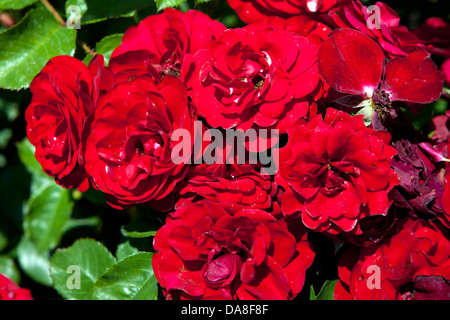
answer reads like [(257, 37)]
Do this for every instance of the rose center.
[(258, 82)]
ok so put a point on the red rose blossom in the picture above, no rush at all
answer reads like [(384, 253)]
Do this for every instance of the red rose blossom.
[(235, 187), (10, 291), (252, 10), (336, 171), (64, 95), (412, 264), (128, 152), (204, 252), (168, 40), (255, 77)]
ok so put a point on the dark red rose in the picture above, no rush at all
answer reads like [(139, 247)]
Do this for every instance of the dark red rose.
[(10, 291), (413, 263), (64, 95), (235, 187), (336, 171), (169, 40), (252, 10), (204, 252), (301, 25), (255, 77), (128, 153), (434, 31), (384, 28)]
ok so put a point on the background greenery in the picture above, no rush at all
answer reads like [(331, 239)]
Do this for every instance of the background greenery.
[(45, 228)]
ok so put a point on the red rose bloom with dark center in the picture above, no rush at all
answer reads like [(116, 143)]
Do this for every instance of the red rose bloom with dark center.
[(255, 77), (169, 40), (204, 252), (128, 153), (64, 95), (233, 186), (336, 171)]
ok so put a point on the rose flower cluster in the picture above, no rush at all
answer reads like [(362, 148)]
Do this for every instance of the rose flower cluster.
[(332, 80)]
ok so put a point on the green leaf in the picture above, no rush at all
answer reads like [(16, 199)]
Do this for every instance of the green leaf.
[(46, 214), (93, 11), (105, 47), (326, 293), (15, 4), (9, 269), (90, 257), (33, 262), (3, 241), (26, 47), (124, 250), (26, 154), (129, 232), (162, 4), (129, 279)]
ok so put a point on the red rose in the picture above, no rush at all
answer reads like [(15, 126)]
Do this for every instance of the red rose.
[(336, 171), (252, 10), (384, 28), (10, 291), (414, 263), (255, 77), (204, 252), (235, 187), (128, 152), (169, 40), (64, 95)]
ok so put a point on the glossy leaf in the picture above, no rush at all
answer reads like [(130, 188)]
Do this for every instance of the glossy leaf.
[(34, 262), (351, 62), (9, 269), (129, 232), (15, 4), (87, 256), (26, 154), (93, 11), (325, 293), (24, 51), (129, 279), (162, 4), (46, 214), (105, 47), (124, 250)]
